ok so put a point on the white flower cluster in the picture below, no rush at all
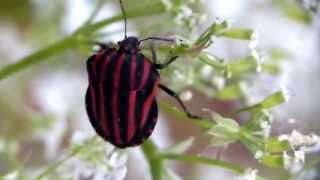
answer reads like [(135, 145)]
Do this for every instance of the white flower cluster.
[(300, 144), (265, 123), (186, 15), (99, 161), (313, 5), (249, 174), (298, 140)]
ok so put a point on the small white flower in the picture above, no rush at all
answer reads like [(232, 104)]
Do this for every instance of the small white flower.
[(287, 160), (79, 137), (283, 137), (186, 11), (98, 161), (206, 71), (11, 176), (312, 139), (291, 121), (286, 93), (254, 41), (299, 156), (186, 95), (203, 18), (312, 143), (258, 155), (256, 56), (264, 124), (178, 40), (2, 145), (293, 161), (219, 82), (296, 139), (249, 174), (266, 128)]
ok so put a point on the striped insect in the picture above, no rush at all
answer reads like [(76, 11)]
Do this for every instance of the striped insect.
[(121, 97)]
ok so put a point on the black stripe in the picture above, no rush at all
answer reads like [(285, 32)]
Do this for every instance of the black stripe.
[(107, 88), (139, 71), (101, 61), (94, 122), (123, 96), (142, 96), (139, 98), (151, 119), (90, 61)]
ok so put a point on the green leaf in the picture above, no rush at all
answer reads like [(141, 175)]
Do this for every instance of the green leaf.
[(271, 68), (294, 11), (269, 102), (216, 63), (170, 174), (216, 29), (181, 146), (274, 100), (73, 40), (232, 92), (225, 131), (254, 124), (37, 57), (273, 145), (238, 33), (277, 54), (275, 161), (244, 65), (222, 142), (203, 160), (156, 164)]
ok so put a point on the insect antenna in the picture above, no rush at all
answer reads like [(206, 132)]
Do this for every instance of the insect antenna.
[(125, 18), (157, 38)]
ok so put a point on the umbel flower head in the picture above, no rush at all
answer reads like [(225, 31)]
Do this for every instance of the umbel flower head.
[(95, 160)]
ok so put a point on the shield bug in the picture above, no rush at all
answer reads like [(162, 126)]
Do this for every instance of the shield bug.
[(121, 97)]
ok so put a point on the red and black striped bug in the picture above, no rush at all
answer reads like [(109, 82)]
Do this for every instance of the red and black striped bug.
[(120, 100)]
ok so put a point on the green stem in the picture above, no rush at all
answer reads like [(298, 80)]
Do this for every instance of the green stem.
[(203, 123), (151, 153), (74, 39), (251, 108), (202, 160), (37, 57), (55, 165)]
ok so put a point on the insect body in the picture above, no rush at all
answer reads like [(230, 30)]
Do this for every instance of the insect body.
[(121, 95), (120, 99)]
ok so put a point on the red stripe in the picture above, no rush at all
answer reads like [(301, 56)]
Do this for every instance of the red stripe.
[(103, 120), (132, 100), (96, 60), (133, 70), (105, 66), (147, 104), (145, 74), (115, 114)]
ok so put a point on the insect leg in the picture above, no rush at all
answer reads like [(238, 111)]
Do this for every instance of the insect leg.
[(154, 58), (153, 53), (175, 95), (166, 64)]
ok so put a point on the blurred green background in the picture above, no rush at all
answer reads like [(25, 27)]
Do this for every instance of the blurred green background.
[(42, 107)]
